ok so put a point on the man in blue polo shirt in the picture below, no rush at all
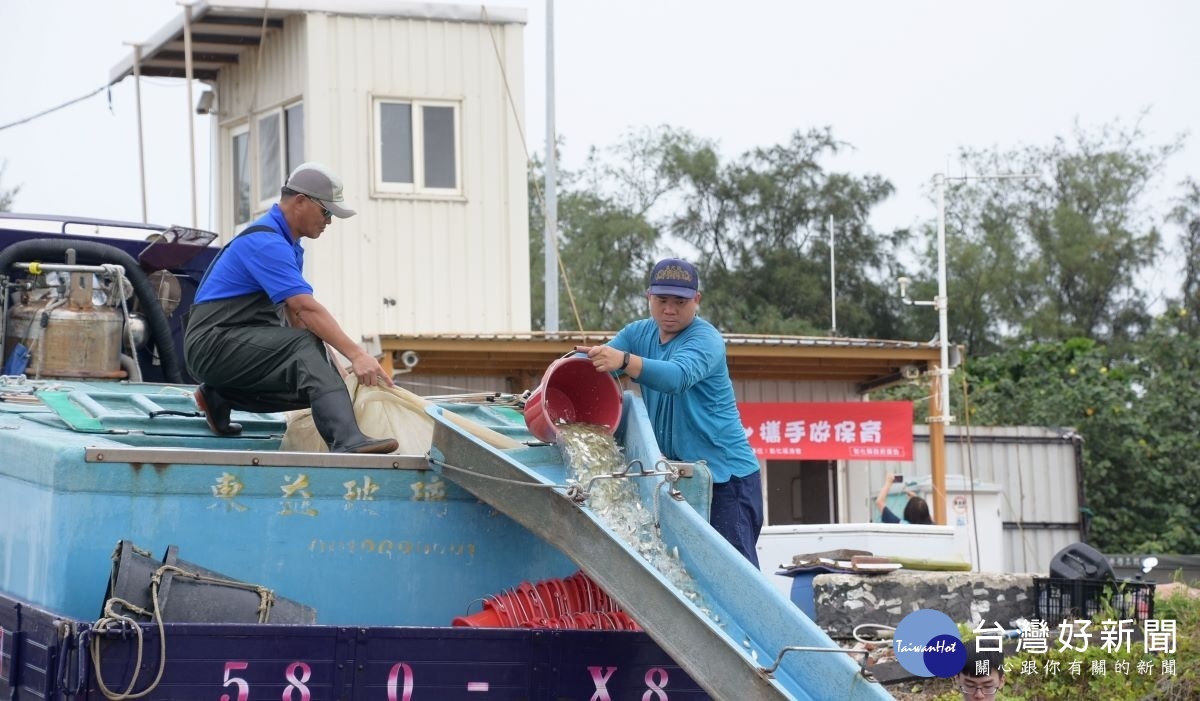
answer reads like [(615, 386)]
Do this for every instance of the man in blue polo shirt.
[(237, 343), (679, 361)]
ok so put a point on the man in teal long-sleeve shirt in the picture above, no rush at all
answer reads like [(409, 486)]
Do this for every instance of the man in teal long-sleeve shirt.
[(679, 361)]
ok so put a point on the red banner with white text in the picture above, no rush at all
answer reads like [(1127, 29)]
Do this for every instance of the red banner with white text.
[(829, 430)]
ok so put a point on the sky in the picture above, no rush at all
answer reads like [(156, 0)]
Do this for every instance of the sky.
[(905, 83)]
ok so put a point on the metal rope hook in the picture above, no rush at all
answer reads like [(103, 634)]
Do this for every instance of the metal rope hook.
[(862, 665), (674, 472), (671, 471)]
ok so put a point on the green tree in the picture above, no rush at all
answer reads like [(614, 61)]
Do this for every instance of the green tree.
[(757, 227), (606, 248), (1186, 213), (760, 226), (1056, 256), (1136, 412)]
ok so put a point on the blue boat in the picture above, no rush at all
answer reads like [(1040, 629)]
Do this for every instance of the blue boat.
[(142, 556)]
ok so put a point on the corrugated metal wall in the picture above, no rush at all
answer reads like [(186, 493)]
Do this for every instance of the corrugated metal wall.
[(404, 264), (281, 76), (435, 385), (450, 265), (241, 97), (785, 391), (1034, 467)]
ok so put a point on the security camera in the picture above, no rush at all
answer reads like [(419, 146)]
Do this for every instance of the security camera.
[(910, 372), (410, 359), (204, 105)]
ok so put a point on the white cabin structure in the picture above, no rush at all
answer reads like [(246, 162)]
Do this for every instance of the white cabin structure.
[(417, 106)]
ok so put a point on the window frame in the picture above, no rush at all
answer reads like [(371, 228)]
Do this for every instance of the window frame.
[(280, 114), (416, 189), (241, 129), (285, 146), (268, 197), (247, 127)]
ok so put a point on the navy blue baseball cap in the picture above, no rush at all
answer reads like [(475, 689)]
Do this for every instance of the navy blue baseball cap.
[(675, 277)]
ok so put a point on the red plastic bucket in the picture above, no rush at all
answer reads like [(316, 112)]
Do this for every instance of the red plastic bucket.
[(486, 618), (573, 392)]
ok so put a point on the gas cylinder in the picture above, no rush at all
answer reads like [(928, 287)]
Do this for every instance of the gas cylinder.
[(68, 337)]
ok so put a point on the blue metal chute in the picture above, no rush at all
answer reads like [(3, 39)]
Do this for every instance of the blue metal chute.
[(748, 643)]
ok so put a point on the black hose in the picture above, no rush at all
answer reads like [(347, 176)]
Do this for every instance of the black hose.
[(96, 253)]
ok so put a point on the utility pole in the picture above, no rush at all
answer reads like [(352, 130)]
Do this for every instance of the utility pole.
[(832, 282), (137, 91), (550, 239), (939, 406), (188, 74)]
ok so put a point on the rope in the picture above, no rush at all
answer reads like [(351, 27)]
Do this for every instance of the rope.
[(262, 38), (125, 622), (528, 160), (878, 626), (1017, 509), (473, 473), (969, 446), (118, 272), (43, 113), (266, 597)]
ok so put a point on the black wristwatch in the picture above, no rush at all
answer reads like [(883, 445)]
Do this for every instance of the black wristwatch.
[(624, 361)]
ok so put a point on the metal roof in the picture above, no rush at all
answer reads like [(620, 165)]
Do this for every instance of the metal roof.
[(222, 31), (868, 363)]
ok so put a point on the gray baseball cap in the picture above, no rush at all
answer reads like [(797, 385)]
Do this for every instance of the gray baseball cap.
[(319, 183)]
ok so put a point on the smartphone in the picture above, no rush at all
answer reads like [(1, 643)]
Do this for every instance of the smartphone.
[(898, 478)]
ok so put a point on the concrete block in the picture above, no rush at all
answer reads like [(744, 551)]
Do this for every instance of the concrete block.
[(843, 601)]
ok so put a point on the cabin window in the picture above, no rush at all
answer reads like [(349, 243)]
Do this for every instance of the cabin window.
[(270, 163), (262, 153), (440, 166), (240, 161), (280, 149), (293, 125), (417, 147)]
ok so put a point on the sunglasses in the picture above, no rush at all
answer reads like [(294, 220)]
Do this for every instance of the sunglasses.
[(324, 210)]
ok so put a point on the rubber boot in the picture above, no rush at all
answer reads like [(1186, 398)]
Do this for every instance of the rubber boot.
[(216, 411), (333, 415)]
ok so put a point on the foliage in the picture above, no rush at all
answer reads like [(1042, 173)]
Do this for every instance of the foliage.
[(1137, 414), (1187, 215), (1039, 259), (760, 224), (757, 228), (1023, 683), (1132, 674), (606, 249), (1057, 254)]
